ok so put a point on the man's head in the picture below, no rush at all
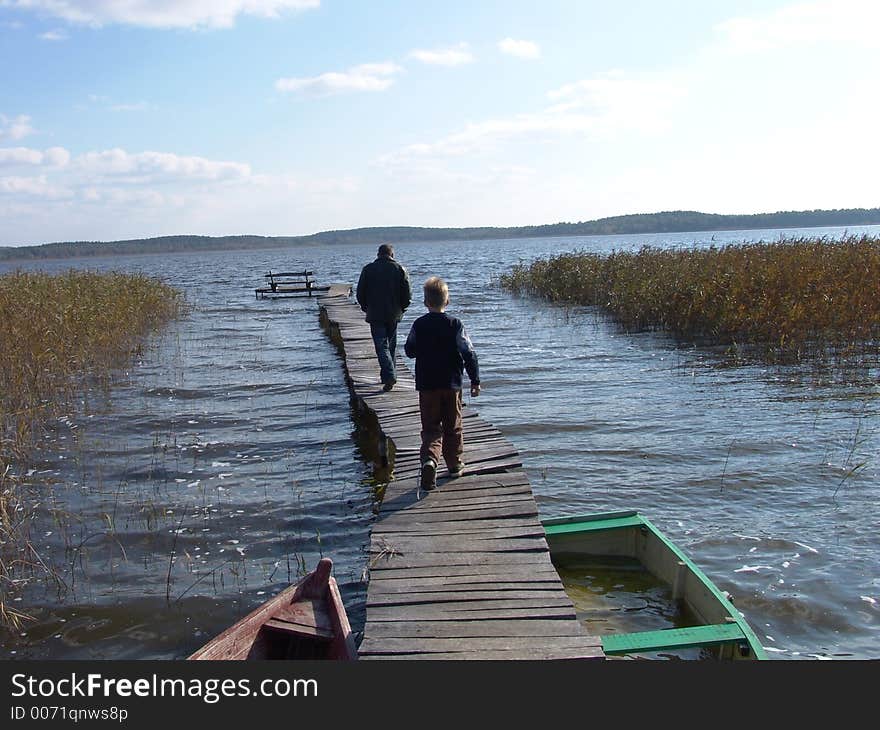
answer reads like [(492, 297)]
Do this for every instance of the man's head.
[(436, 294), (386, 250)]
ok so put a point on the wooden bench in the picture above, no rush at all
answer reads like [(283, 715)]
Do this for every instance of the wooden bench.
[(289, 284)]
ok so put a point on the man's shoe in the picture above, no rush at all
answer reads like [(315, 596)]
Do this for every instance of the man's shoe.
[(388, 385), (456, 470), (429, 475)]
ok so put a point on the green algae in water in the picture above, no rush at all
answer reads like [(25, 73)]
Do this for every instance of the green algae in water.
[(617, 595)]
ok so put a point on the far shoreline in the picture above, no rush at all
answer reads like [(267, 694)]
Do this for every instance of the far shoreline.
[(649, 224)]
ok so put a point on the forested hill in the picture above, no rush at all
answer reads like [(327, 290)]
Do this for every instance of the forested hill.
[(667, 222)]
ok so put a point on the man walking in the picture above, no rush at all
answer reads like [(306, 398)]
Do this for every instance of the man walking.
[(384, 292)]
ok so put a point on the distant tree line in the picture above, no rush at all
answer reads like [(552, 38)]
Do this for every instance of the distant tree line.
[(667, 222)]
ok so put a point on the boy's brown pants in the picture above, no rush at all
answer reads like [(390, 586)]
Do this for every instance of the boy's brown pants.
[(441, 425)]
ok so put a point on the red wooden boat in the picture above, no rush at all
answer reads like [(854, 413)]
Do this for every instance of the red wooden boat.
[(305, 621)]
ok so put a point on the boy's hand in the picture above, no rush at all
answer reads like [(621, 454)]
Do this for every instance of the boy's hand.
[(475, 390)]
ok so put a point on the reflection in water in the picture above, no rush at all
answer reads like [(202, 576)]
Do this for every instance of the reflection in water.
[(374, 448)]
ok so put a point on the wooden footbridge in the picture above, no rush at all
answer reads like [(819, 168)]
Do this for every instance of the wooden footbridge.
[(462, 572)]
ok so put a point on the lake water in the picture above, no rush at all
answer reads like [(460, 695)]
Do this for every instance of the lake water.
[(233, 446)]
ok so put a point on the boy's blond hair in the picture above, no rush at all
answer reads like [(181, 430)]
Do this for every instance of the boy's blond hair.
[(436, 292)]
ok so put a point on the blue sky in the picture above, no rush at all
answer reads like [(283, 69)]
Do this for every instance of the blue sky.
[(137, 118)]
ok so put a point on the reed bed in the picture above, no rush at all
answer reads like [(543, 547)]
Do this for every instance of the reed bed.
[(61, 336), (788, 299)]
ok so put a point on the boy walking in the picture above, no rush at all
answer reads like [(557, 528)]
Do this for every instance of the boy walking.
[(442, 351)]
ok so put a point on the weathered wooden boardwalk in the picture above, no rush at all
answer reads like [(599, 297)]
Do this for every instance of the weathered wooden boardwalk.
[(462, 572)]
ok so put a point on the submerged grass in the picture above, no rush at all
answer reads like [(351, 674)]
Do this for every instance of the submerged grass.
[(797, 297), (60, 336)]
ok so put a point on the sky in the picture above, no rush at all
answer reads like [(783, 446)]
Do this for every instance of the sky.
[(137, 118)]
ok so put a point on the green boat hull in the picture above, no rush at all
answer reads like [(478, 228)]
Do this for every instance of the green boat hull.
[(719, 625)]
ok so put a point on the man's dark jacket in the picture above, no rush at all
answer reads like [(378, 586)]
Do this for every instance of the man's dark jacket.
[(384, 290)]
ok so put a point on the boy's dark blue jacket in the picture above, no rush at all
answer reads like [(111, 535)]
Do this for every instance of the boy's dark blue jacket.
[(442, 351)]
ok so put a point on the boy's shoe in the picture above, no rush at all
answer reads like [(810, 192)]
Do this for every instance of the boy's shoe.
[(428, 475), (456, 470)]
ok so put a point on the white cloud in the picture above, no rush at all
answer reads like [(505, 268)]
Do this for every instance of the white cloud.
[(143, 166), (54, 156), (54, 35), (279, 186), (15, 127), (136, 107), (20, 156), (38, 187), (641, 101), (836, 21), (110, 105), (122, 194), (115, 175), (366, 77), (160, 13), (131, 196), (520, 48), (452, 56), (609, 105), (482, 136)]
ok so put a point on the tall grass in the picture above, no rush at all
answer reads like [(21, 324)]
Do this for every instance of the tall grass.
[(60, 335), (800, 296)]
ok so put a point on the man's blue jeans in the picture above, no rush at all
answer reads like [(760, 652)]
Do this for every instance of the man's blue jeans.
[(385, 339)]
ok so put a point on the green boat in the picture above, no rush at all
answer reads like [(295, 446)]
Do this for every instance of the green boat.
[(706, 619)]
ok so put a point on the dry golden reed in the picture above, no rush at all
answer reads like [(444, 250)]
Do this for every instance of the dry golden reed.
[(795, 297), (60, 332), (60, 335)]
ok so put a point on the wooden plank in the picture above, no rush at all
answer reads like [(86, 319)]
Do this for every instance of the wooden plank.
[(431, 613), (426, 559), (463, 484), (407, 426), (457, 539), (468, 628), (456, 529), (388, 645), (454, 491), (380, 586), (408, 442), (487, 467), (414, 544), (500, 655), (518, 509), (441, 500), (667, 639), (472, 481), (415, 502), (382, 569), (528, 523), (470, 598), (464, 603), (437, 505), (299, 629), (450, 490)]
